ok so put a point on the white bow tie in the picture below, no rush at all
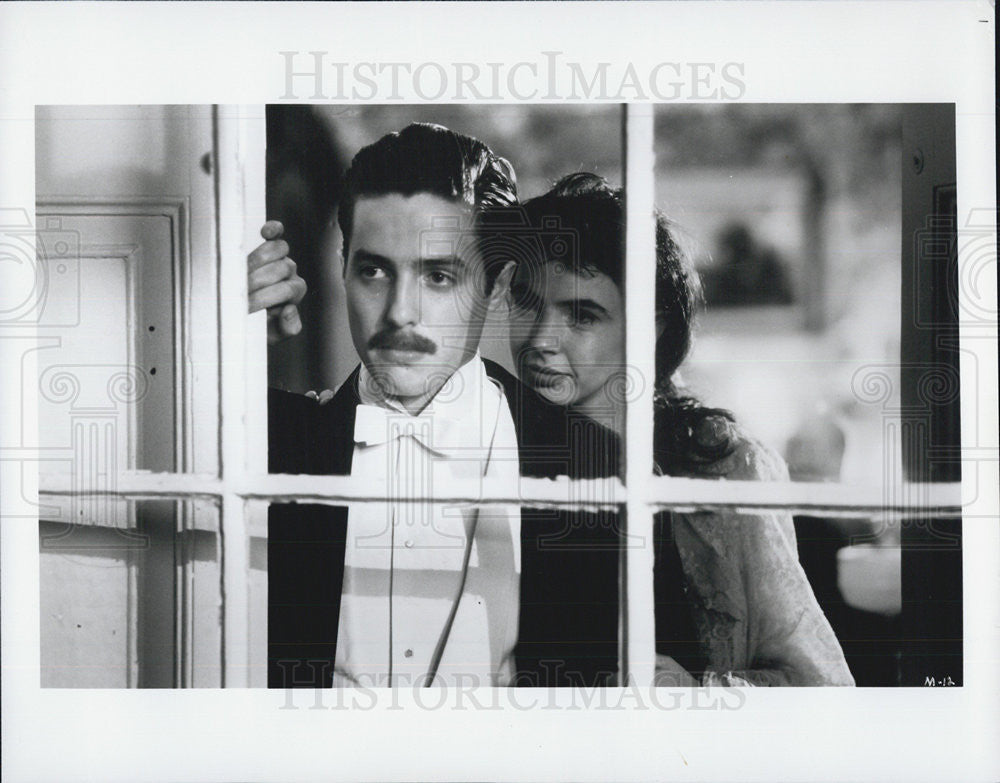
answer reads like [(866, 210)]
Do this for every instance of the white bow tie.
[(439, 432)]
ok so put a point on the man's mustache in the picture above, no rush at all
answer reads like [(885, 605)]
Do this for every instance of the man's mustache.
[(401, 341)]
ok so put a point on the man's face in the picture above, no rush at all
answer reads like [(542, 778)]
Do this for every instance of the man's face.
[(416, 296), (567, 334)]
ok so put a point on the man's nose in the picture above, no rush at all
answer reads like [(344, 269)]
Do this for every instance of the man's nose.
[(404, 303)]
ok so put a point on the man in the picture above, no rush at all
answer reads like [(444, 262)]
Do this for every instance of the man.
[(399, 593)]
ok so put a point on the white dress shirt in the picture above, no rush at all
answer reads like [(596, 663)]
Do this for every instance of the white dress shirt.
[(427, 584)]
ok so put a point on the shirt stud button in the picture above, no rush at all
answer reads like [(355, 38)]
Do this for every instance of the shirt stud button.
[(408, 653), (408, 543)]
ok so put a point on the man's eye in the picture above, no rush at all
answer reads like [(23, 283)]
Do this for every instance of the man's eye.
[(372, 272), (439, 279)]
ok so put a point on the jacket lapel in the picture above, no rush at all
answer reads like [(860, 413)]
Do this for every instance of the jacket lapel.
[(306, 542)]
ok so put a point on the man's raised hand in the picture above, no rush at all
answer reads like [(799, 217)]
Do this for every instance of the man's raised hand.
[(273, 284)]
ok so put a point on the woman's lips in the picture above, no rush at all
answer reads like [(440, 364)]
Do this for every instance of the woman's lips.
[(546, 376)]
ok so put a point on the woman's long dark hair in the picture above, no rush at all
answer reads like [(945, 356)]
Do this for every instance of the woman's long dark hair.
[(687, 435)]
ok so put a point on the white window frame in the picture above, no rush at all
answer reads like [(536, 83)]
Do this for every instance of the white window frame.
[(243, 487)]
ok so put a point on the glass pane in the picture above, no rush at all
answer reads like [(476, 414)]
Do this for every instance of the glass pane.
[(731, 594), (790, 215), (449, 424), (406, 594), (131, 604), (124, 292), (542, 144), (781, 233)]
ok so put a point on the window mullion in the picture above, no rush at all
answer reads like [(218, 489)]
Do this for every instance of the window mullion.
[(807, 497), (239, 180), (908, 499), (638, 631)]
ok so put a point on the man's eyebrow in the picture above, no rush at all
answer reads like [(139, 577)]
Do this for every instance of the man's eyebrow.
[(367, 257), (580, 304), (437, 262)]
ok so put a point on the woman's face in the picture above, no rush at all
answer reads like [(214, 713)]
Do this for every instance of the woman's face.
[(567, 335)]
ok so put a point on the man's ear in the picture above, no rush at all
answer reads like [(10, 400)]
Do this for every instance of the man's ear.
[(502, 284)]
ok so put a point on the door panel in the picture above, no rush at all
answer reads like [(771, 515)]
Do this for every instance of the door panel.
[(87, 623)]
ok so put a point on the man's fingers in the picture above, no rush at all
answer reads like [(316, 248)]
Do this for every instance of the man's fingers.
[(266, 253), (273, 283), (283, 293), (272, 229), (322, 397), (290, 323), (269, 274)]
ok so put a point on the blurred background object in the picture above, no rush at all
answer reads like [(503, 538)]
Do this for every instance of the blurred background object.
[(745, 273), (868, 578)]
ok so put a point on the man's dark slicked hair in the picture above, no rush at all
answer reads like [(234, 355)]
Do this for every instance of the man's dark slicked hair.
[(587, 205), (426, 158)]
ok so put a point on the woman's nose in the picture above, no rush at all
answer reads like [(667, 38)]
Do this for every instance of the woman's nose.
[(544, 341), (545, 335)]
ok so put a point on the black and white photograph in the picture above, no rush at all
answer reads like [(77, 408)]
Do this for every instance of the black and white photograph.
[(475, 395), (786, 246)]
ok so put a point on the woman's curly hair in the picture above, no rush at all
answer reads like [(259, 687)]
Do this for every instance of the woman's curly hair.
[(687, 435)]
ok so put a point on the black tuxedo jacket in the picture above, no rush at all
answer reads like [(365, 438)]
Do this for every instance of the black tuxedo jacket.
[(568, 626)]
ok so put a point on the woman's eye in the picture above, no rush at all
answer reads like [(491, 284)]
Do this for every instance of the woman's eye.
[(585, 319)]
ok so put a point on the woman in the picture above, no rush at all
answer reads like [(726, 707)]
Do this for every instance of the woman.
[(755, 619)]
